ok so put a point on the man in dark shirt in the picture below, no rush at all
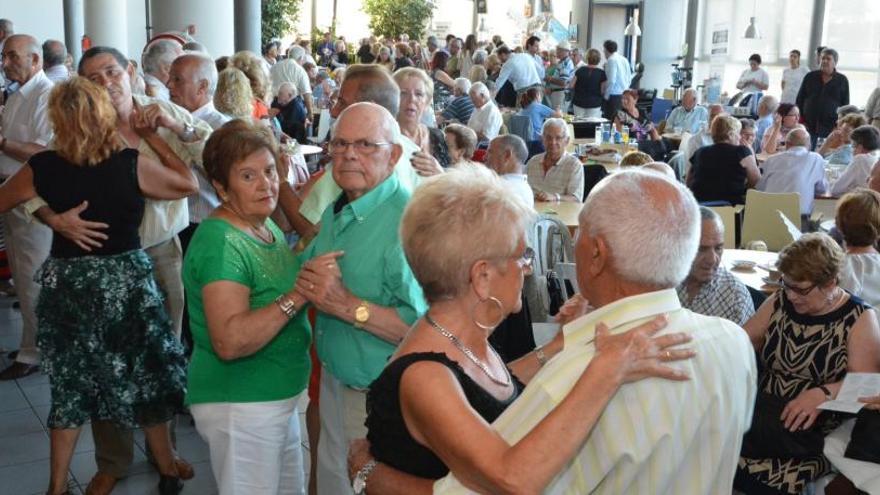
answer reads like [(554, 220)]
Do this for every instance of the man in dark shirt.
[(821, 93)]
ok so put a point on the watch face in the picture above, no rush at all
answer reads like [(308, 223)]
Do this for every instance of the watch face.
[(362, 314), (358, 485)]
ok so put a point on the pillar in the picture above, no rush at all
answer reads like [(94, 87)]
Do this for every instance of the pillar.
[(580, 15), (74, 26), (213, 19), (105, 23), (247, 25)]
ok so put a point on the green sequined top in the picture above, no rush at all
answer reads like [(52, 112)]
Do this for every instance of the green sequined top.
[(280, 370)]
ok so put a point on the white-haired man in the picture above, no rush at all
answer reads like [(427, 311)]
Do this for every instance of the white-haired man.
[(54, 61), (766, 109), (507, 155), (291, 70), (460, 107), (797, 169), (563, 70), (709, 288), (638, 233), (368, 299), (156, 63), (556, 175), (486, 120), (688, 116)]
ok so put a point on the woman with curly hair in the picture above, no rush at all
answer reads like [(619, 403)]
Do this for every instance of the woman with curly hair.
[(252, 67), (233, 96)]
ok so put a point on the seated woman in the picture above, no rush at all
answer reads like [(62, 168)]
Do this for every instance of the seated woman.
[(724, 170), (837, 148), (250, 359), (472, 283), (537, 112), (639, 124), (290, 110), (858, 220), (105, 337), (461, 141), (784, 120), (383, 57), (808, 336), (415, 99), (866, 150)]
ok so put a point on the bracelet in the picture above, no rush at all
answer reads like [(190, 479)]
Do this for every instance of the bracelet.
[(539, 354), (826, 391), (286, 305)]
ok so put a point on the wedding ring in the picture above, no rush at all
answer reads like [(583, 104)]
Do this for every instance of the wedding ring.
[(668, 355), (311, 286)]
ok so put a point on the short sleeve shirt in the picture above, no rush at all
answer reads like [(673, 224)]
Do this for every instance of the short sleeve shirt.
[(565, 177)]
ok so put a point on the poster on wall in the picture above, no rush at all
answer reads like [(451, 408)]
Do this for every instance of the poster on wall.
[(481, 6), (717, 59)]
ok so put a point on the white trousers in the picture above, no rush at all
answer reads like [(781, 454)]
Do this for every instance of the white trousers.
[(343, 411), (27, 246), (587, 112), (254, 446)]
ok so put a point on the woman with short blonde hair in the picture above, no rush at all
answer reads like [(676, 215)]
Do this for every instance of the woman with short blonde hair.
[(233, 96), (858, 220), (724, 170), (416, 89)]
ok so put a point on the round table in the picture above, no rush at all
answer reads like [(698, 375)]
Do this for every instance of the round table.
[(753, 278)]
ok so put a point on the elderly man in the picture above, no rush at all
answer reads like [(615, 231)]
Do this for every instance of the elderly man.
[(709, 288), (156, 63), (766, 109), (161, 223), (507, 155), (460, 107), (454, 64), (520, 70), (866, 151), (358, 279), (486, 120), (291, 70), (577, 58), (688, 116), (619, 74), (822, 92), (54, 59), (6, 30), (564, 69), (25, 130), (797, 169), (638, 233), (556, 175), (702, 138)]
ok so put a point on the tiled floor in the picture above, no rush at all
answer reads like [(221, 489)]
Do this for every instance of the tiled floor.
[(24, 439)]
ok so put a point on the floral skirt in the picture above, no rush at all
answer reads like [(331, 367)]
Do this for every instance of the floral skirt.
[(107, 343)]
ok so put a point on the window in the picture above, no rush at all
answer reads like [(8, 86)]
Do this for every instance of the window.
[(852, 27)]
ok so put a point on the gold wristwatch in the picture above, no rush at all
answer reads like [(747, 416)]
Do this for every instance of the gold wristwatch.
[(361, 314)]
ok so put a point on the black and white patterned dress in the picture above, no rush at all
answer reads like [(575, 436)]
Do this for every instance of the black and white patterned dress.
[(801, 352)]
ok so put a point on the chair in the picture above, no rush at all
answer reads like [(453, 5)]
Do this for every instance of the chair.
[(728, 219), (762, 222), (592, 175), (521, 125), (553, 246), (660, 110)]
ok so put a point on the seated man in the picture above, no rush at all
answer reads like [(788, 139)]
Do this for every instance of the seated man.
[(486, 120), (506, 155), (688, 116), (795, 170), (709, 288), (767, 106), (556, 175), (866, 151), (460, 107), (290, 109), (682, 161)]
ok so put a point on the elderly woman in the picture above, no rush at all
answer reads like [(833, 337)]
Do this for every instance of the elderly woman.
[(415, 96), (383, 58), (233, 96), (808, 336), (837, 147), (472, 283), (724, 170), (784, 120), (866, 151), (588, 86), (106, 340), (747, 133), (258, 78), (461, 142), (858, 220), (250, 359), (641, 129), (486, 120), (556, 175)]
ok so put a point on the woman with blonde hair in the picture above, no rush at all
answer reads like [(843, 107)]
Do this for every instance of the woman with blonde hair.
[(383, 58), (416, 89), (251, 65), (724, 170), (233, 95), (858, 220), (109, 351)]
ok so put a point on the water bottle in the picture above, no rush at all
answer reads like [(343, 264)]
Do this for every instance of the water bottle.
[(606, 133), (617, 137), (597, 137)]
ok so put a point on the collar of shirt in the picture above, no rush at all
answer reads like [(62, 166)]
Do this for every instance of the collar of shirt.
[(361, 208), (709, 287), (582, 331), (204, 110), (25, 90)]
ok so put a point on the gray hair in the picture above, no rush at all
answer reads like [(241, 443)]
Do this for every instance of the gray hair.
[(297, 53), (206, 70), (846, 110), (462, 84), (389, 122), (769, 102), (832, 52), (689, 91), (158, 54), (54, 53), (439, 225), (650, 223), (378, 86), (515, 144), (432, 41), (708, 215), (480, 89), (287, 85), (797, 137), (555, 122), (747, 123), (195, 46), (7, 27), (479, 57)]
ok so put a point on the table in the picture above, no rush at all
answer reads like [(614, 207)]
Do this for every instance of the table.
[(753, 277), (565, 211)]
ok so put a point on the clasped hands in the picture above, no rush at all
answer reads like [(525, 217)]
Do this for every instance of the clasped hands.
[(320, 282)]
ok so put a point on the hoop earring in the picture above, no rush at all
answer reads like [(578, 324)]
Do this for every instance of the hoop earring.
[(493, 325)]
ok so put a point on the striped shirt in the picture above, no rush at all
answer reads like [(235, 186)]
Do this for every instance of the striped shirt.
[(655, 436), (723, 296), (202, 204), (459, 109)]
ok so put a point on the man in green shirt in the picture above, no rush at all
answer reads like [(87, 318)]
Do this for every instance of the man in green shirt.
[(359, 280)]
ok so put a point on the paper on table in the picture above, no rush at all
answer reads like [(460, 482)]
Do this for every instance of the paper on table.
[(855, 385)]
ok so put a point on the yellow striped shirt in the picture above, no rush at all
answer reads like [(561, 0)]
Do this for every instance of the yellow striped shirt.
[(655, 436)]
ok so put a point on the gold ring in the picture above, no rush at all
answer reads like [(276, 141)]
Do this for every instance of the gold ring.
[(668, 355), (311, 286)]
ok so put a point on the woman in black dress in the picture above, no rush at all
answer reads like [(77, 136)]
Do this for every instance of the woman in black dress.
[(588, 86), (724, 170)]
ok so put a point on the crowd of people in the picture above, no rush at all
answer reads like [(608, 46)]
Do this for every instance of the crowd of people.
[(171, 251)]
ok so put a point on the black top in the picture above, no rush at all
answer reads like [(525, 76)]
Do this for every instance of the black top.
[(112, 190), (819, 102), (588, 88), (365, 55), (391, 442), (439, 150), (718, 174), (292, 118), (401, 62)]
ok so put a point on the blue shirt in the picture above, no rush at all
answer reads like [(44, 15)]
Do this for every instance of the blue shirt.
[(795, 170), (619, 75), (536, 112), (841, 156), (539, 64), (563, 69), (761, 127), (688, 121), (459, 108)]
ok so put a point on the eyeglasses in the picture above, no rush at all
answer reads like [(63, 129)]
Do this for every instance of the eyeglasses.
[(361, 146), (801, 291)]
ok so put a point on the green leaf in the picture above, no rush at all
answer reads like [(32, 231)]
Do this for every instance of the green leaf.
[(391, 18), (278, 18)]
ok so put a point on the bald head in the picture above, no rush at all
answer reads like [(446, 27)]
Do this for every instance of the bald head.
[(54, 53), (365, 148), (714, 111), (797, 137), (22, 58)]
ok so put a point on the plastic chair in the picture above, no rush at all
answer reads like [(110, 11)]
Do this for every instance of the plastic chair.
[(728, 219), (521, 125), (761, 221), (553, 245)]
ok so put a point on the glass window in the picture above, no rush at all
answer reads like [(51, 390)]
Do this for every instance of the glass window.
[(852, 27)]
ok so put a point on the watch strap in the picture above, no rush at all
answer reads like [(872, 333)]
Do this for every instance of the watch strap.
[(826, 391)]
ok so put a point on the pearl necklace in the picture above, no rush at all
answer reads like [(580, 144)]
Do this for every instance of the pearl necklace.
[(469, 353), (254, 228)]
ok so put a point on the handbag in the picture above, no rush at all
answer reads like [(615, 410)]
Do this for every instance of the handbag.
[(864, 443), (554, 290), (768, 437)]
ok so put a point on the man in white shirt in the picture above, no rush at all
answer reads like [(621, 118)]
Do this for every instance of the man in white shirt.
[(520, 69), (797, 169), (533, 48), (156, 62), (506, 155), (577, 58), (754, 79), (703, 137), (291, 70), (556, 175), (792, 77), (486, 120), (25, 130), (619, 74), (54, 58), (866, 150), (687, 116)]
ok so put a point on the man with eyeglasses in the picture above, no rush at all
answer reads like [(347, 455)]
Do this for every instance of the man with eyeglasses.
[(358, 279)]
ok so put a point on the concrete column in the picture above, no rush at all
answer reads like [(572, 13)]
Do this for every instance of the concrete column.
[(213, 19), (73, 28), (105, 23), (580, 15), (247, 25), (816, 27), (693, 12)]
